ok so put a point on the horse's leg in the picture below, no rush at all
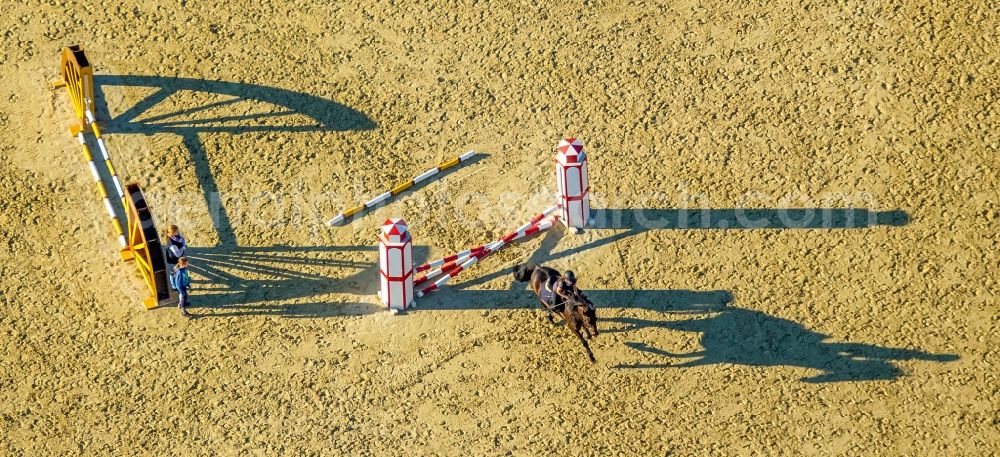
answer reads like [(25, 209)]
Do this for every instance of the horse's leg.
[(548, 312), (575, 327)]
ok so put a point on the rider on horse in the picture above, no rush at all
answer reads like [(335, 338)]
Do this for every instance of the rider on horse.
[(557, 289), (558, 294)]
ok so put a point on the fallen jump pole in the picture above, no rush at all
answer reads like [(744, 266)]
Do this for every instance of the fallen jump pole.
[(399, 188), (487, 250), (466, 253), (472, 260)]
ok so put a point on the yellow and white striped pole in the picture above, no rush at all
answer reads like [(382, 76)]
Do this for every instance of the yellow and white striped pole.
[(107, 157), (101, 189), (400, 188)]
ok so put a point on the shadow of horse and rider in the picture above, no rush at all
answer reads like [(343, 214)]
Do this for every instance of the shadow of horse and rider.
[(739, 336), (727, 334), (250, 280)]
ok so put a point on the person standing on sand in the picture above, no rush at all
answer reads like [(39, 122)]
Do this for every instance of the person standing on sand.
[(180, 280), (176, 244)]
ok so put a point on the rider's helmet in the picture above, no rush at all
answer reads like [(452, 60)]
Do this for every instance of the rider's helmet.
[(570, 278)]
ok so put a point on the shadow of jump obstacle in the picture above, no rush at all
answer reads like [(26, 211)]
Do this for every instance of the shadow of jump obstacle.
[(139, 240), (284, 281), (298, 112)]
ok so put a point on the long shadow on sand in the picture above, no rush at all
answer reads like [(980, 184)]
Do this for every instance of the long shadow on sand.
[(666, 300), (632, 222), (301, 112), (272, 281), (298, 112), (745, 218), (740, 336), (729, 335)]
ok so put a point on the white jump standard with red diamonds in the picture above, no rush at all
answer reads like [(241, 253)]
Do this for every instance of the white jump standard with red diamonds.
[(573, 182), (395, 254)]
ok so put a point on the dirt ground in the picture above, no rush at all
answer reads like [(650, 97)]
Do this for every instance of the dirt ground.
[(863, 321)]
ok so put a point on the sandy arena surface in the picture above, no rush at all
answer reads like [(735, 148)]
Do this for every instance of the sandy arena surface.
[(864, 331)]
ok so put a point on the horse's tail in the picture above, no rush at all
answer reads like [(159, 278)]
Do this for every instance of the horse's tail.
[(522, 272)]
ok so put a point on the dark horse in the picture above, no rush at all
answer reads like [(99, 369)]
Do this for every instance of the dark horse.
[(558, 293)]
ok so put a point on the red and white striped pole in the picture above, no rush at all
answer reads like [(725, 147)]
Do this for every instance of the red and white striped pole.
[(450, 259), (494, 247), (485, 251), (468, 252)]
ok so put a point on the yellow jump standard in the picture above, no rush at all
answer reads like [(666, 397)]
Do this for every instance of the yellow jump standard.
[(140, 241)]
